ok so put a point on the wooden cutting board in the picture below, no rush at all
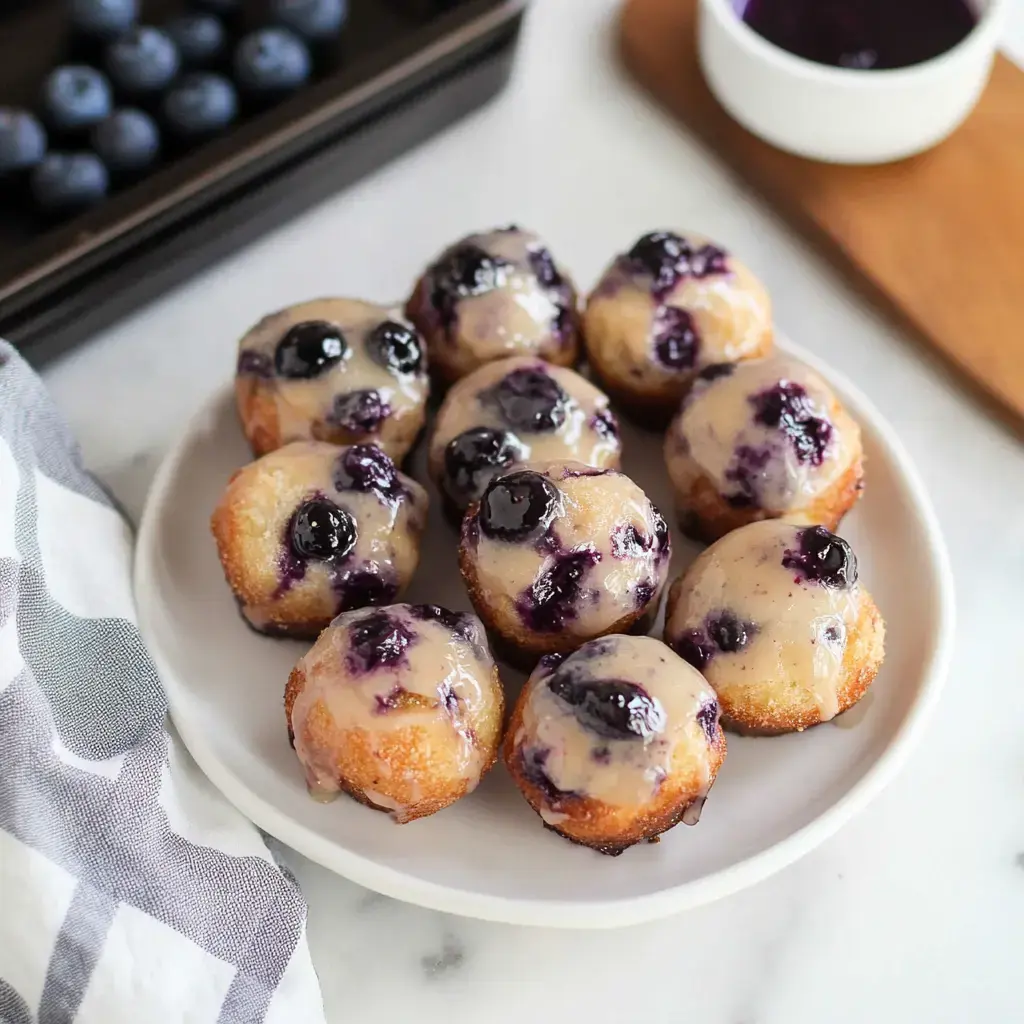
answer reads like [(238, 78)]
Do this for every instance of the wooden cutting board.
[(938, 238)]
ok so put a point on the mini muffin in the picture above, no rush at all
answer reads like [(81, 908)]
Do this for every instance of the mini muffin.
[(774, 616), (615, 744), (662, 312), (517, 410), (492, 295), (558, 553), (312, 530), (399, 707), (336, 370), (762, 439)]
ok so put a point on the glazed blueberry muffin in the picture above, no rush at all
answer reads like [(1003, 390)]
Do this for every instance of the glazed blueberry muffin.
[(492, 295), (517, 410), (669, 307), (775, 617), (312, 530), (558, 553), (399, 707), (616, 743), (760, 440), (336, 370)]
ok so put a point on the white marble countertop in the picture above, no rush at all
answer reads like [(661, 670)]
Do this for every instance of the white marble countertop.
[(915, 911)]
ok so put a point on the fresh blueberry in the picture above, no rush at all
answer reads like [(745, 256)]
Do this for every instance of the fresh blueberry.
[(103, 19), (823, 558), (22, 141), (716, 371), (788, 408), (365, 587), (199, 105), (362, 412), (611, 708), (462, 272), (531, 400), (676, 341), (127, 141), (708, 718), (321, 531), (473, 458), (200, 38), (517, 506), (693, 646), (75, 97), (543, 266), (309, 349), (272, 61), (311, 19), (395, 347), (375, 640), (142, 61), (552, 598), (64, 182), (366, 468), (728, 633)]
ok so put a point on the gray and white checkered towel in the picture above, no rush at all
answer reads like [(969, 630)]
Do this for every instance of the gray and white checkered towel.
[(129, 889)]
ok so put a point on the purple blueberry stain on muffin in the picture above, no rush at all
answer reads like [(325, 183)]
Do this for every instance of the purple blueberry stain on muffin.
[(613, 709), (604, 424), (555, 595), (644, 592), (822, 558), (723, 632), (459, 624), (368, 469), (716, 371), (463, 272), (529, 399), (628, 542), (676, 339), (747, 471), (662, 537), (361, 412), (377, 640), (694, 647), (364, 587), (708, 716), (542, 264), (255, 364), (532, 761), (788, 408), (575, 472)]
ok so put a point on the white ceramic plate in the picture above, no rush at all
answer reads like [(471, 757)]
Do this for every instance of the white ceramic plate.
[(488, 856)]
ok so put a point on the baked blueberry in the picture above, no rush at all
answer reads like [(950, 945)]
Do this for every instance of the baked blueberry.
[(103, 19), (200, 105), (473, 457), (612, 708), (360, 412), (493, 295), (396, 346), (346, 370), (395, 709), (22, 141), (297, 548), (615, 746), (824, 558), (75, 97), (272, 61), (366, 468), (200, 37), (143, 61), (308, 349), (531, 399), (311, 19), (321, 530), (765, 438), (375, 639), (517, 506), (66, 182), (774, 617), (128, 141), (662, 312), (556, 554)]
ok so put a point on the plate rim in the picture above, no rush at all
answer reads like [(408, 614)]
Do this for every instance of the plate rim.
[(569, 913)]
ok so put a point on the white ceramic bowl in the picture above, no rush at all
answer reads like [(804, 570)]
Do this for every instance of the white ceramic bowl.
[(487, 855), (843, 115)]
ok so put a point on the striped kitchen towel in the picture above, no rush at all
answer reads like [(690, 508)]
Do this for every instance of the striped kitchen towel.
[(129, 889)]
